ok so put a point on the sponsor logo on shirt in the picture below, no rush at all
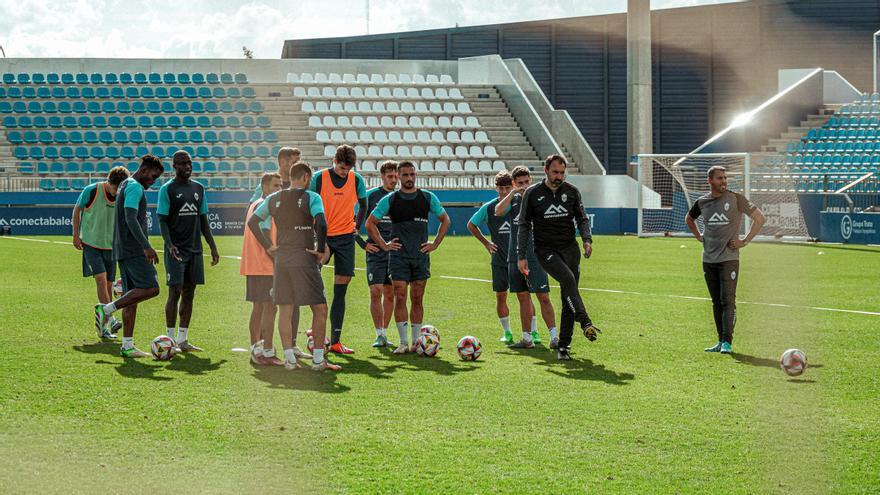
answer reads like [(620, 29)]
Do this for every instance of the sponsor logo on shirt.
[(555, 211), (718, 219), (179, 195), (188, 209)]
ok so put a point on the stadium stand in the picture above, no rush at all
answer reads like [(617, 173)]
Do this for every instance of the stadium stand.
[(825, 153), (62, 131)]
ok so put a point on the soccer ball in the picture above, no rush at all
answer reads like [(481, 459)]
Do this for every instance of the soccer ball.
[(427, 345), (793, 362), (430, 330), (162, 348), (469, 348), (311, 343), (117, 288)]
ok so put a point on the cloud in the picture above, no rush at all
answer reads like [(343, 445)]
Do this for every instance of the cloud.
[(219, 28)]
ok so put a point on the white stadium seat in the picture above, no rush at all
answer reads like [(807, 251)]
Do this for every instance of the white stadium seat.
[(385, 93), (436, 107), (360, 150), (390, 79), (363, 79), (364, 107), (418, 151), (467, 137), (387, 122), (403, 151), (481, 137), (453, 137), (463, 107), (458, 123), (395, 137), (337, 136), (442, 94), (412, 93), (455, 94), (418, 79), (461, 152), (490, 151), (443, 122), (499, 165), (455, 166), (400, 122), (427, 94), (471, 166), (484, 166), (322, 107), (424, 137), (323, 137), (307, 107), (432, 79), (446, 79), (437, 137), (329, 150), (365, 137), (407, 107), (342, 93), (373, 122), (377, 79), (405, 79), (380, 137), (432, 150), (315, 121), (357, 92), (314, 92), (393, 107), (350, 107), (475, 151), (368, 166), (334, 78), (449, 107), (329, 121), (349, 79), (307, 78), (409, 137), (358, 121), (321, 78), (292, 78), (328, 93), (374, 150), (351, 136), (299, 92), (370, 93), (378, 107), (416, 122), (429, 121), (446, 152), (421, 107), (472, 122), (343, 121), (336, 107), (398, 93), (441, 166), (426, 166), (389, 151)]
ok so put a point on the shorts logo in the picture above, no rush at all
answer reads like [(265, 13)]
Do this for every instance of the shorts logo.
[(732, 275), (370, 277), (167, 277), (544, 286)]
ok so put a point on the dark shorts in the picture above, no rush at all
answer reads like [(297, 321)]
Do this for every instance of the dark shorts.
[(97, 261), (342, 252), (378, 268), (298, 285), (189, 270), (500, 280), (409, 269), (259, 288), (137, 273), (536, 283)]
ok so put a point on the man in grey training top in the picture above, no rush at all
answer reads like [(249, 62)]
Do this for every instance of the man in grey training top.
[(722, 212)]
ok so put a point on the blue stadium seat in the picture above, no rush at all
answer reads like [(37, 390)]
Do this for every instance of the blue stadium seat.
[(14, 137), (3, 93), (174, 122), (25, 168), (232, 121), (175, 92), (255, 167), (189, 92), (14, 92), (35, 152), (182, 107), (226, 107), (20, 152), (8, 78), (263, 121), (224, 167), (263, 152), (30, 137), (248, 152), (198, 78), (212, 107), (233, 92), (60, 137), (189, 121), (111, 78), (72, 168), (75, 137), (44, 137), (93, 107), (162, 92), (202, 152), (62, 185), (140, 78), (249, 92), (127, 152), (82, 152), (132, 92), (153, 107), (114, 121), (56, 168), (240, 78), (82, 78), (232, 183), (168, 107), (183, 78), (23, 78), (33, 107), (97, 78), (256, 107), (44, 92), (248, 121), (154, 78), (169, 78), (51, 152), (126, 78), (28, 92), (226, 78), (78, 184), (215, 183), (10, 121), (42, 168), (47, 184), (67, 152), (38, 78), (239, 136), (147, 92), (218, 152), (209, 167), (197, 107), (212, 78)]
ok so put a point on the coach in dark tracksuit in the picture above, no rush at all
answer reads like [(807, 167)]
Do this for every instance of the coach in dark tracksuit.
[(550, 210)]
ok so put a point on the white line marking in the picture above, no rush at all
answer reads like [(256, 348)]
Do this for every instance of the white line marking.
[(587, 289)]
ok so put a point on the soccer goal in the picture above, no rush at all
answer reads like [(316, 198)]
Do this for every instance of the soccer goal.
[(669, 185)]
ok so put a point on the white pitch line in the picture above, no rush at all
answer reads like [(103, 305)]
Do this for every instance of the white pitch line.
[(586, 289)]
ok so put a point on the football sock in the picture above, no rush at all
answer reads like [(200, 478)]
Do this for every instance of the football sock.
[(109, 308), (318, 356), (379, 331), (401, 331), (534, 323), (169, 331), (527, 336), (554, 333), (289, 356), (337, 312), (269, 352), (505, 323), (127, 342), (416, 329), (181, 334)]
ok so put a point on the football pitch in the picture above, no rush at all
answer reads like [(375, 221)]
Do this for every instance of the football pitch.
[(642, 410)]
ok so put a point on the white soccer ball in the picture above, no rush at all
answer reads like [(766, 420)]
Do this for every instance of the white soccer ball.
[(793, 362), (162, 348), (430, 330), (311, 343), (117, 288), (427, 345), (469, 348)]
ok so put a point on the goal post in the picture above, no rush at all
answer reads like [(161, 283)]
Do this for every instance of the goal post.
[(669, 184)]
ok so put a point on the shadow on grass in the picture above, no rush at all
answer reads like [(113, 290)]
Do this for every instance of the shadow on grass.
[(192, 364), (438, 365), (129, 368), (302, 379), (764, 362), (577, 368)]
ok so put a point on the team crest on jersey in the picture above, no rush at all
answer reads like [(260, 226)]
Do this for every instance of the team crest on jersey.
[(726, 206), (563, 197), (299, 202), (197, 196)]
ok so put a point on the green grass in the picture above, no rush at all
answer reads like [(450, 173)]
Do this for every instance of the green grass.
[(642, 410)]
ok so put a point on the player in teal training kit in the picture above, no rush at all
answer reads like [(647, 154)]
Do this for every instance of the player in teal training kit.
[(132, 249), (183, 220), (93, 218), (408, 209)]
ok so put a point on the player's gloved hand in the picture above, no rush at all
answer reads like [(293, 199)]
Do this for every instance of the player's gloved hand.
[(523, 266), (175, 253), (427, 247), (491, 247), (151, 255), (588, 249), (77, 243), (392, 245), (215, 257)]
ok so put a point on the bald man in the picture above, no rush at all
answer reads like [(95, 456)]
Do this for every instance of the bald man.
[(183, 220)]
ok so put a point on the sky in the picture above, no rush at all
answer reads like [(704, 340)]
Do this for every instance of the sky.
[(220, 28)]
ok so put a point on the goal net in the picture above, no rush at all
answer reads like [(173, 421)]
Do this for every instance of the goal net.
[(669, 185)]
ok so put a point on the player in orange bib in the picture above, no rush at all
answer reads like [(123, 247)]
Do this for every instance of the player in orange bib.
[(341, 189)]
